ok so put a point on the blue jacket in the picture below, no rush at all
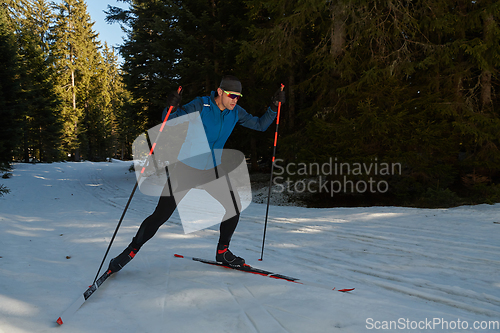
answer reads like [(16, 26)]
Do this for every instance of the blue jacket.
[(200, 151)]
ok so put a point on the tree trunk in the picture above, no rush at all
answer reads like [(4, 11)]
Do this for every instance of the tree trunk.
[(337, 33), (486, 102), (486, 85), (290, 112), (73, 95), (26, 145)]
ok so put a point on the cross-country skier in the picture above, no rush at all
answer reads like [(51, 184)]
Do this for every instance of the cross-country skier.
[(219, 119)]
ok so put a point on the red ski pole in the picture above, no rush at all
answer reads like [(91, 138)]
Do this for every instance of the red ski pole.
[(135, 188), (271, 180)]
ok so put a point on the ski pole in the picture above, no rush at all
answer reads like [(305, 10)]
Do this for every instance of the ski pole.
[(151, 151), (271, 180)]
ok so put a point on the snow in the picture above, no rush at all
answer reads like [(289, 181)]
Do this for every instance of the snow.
[(417, 270)]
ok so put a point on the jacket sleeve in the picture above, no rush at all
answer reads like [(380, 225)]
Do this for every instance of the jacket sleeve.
[(256, 123), (193, 106)]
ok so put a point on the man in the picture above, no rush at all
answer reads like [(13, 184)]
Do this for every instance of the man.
[(219, 114)]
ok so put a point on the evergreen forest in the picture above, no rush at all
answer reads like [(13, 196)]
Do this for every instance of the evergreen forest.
[(369, 85)]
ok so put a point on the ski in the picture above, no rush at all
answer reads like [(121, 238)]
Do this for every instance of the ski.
[(253, 270), (80, 300)]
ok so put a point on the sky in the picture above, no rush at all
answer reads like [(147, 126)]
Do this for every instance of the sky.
[(110, 33)]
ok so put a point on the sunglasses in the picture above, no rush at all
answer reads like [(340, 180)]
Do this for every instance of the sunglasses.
[(233, 96)]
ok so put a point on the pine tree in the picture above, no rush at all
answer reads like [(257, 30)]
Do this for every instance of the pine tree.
[(98, 115), (401, 81), (9, 90), (76, 57), (171, 43), (121, 130), (148, 53), (40, 104), (192, 44), (462, 49)]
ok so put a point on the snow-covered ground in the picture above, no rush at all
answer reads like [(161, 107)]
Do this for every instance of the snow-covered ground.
[(415, 270)]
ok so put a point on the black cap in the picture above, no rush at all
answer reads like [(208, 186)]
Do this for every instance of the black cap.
[(230, 83)]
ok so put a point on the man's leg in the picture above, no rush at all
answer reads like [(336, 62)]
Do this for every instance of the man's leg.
[(230, 200), (227, 228), (164, 209)]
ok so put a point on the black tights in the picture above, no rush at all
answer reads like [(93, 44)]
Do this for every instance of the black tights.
[(167, 205)]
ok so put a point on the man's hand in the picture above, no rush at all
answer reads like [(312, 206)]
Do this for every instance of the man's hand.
[(279, 97), (174, 99)]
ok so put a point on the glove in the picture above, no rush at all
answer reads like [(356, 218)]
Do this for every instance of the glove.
[(278, 97), (174, 99)]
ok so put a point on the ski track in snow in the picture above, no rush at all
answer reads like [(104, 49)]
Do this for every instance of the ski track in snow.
[(404, 263), (260, 318)]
